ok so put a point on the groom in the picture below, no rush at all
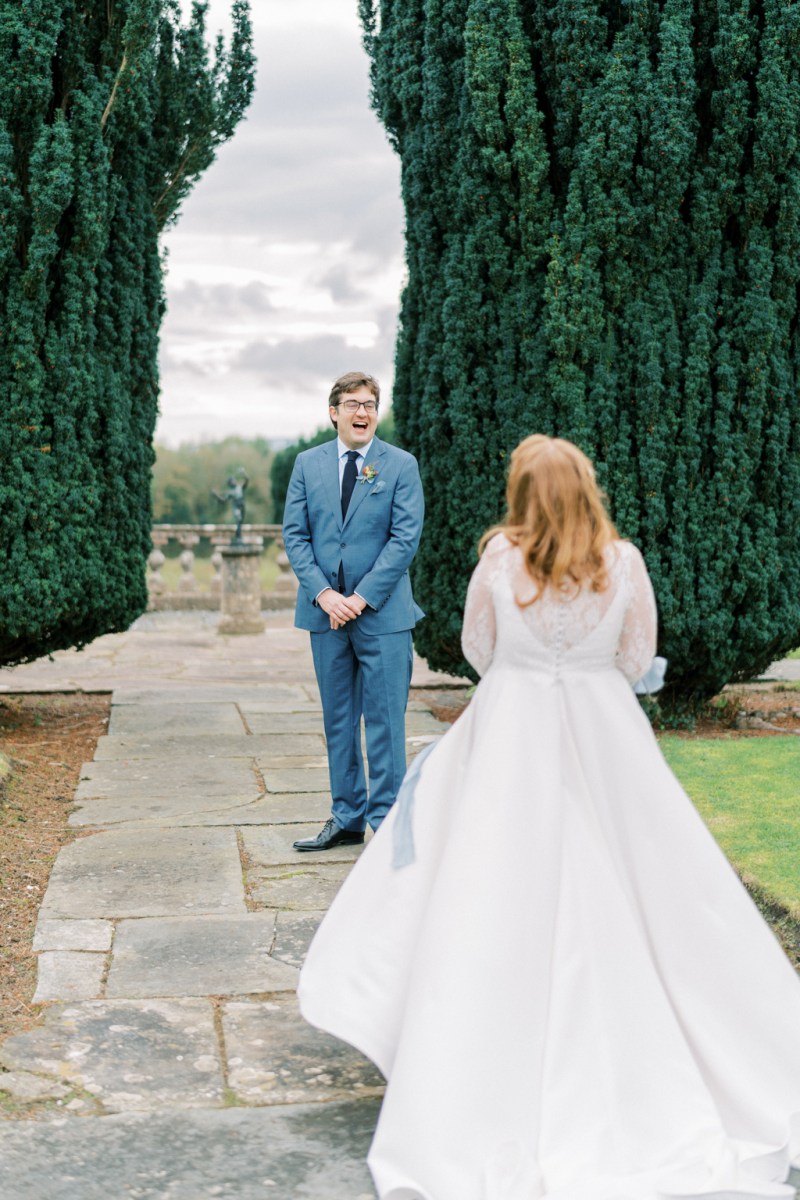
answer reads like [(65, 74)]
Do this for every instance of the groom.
[(351, 527)]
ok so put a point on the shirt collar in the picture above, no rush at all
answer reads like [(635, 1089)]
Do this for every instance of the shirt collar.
[(362, 453)]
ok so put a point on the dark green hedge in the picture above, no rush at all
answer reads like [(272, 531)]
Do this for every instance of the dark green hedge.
[(108, 114), (603, 239)]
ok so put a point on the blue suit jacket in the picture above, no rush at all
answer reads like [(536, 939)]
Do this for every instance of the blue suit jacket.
[(376, 542)]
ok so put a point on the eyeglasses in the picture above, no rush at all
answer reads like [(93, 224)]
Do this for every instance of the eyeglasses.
[(352, 406)]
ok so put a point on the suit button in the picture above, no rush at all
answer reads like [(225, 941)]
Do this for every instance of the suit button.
[(343, 545)]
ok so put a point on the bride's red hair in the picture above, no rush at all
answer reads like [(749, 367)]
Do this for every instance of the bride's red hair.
[(556, 515)]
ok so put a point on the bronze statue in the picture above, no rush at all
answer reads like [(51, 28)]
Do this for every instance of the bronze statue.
[(235, 493)]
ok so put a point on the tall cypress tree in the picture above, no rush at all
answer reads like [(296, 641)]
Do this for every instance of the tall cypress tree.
[(603, 242), (109, 112)]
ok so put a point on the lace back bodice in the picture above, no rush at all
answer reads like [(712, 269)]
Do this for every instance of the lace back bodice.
[(562, 630)]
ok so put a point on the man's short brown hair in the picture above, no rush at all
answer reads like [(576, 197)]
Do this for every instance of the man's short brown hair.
[(351, 382)]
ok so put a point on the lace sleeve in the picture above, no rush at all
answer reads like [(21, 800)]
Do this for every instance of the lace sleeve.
[(637, 642), (480, 630)]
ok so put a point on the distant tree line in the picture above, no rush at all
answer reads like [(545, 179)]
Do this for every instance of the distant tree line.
[(184, 477), (183, 480)]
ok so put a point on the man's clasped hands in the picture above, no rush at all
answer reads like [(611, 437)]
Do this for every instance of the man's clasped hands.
[(339, 608)]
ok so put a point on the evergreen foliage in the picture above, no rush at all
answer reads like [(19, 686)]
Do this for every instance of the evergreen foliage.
[(109, 112), (603, 241), (183, 480), (283, 462)]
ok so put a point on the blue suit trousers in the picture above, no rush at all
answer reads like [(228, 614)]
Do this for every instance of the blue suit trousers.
[(370, 674)]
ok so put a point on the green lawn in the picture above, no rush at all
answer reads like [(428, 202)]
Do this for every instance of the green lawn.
[(748, 793), (794, 654)]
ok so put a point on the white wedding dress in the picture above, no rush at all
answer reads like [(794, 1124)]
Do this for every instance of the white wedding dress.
[(568, 990)]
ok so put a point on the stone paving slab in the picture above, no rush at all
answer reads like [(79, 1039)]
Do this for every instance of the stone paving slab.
[(139, 789), (246, 674), (268, 846), (72, 935), (147, 873), (418, 741), (421, 722), (267, 810), (282, 694), (167, 719), (307, 887), (189, 808), (786, 671), (21, 1085), (260, 723), (274, 1057), (206, 747), (69, 975), (133, 1056), (286, 745), (295, 779), (217, 693), (309, 1152), (281, 809), (418, 721), (293, 935), (197, 956), (295, 762), (288, 809), (163, 776), (301, 704)]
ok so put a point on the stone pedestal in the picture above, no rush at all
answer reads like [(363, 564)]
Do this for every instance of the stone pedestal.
[(240, 608)]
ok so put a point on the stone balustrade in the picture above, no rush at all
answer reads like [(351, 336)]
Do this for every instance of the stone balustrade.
[(192, 592)]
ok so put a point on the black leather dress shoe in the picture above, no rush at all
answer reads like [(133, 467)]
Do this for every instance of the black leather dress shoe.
[(329, 836)]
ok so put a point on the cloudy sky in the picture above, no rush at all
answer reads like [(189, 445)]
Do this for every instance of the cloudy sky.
[(286, 265)]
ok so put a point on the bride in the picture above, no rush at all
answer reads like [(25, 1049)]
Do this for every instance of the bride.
[(568, 990)]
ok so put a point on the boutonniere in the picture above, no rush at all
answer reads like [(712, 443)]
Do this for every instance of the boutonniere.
[(368, 473)]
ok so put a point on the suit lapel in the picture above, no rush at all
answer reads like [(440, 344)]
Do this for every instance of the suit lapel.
[(329, 471), (376, 453)]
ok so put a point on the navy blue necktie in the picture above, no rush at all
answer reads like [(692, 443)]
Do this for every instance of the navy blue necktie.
[(349, 479), (348, 483)]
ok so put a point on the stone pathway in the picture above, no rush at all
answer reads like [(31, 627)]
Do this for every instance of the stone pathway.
[(171, 1056)]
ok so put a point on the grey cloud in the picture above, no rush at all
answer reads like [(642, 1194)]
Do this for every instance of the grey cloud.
[(387, 324), (324, 357), (324, 195), (310, 359), (311, 161), (221, 298), (171, 364), (255, 297), (195, 308), (344, 282), (323, 77)]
